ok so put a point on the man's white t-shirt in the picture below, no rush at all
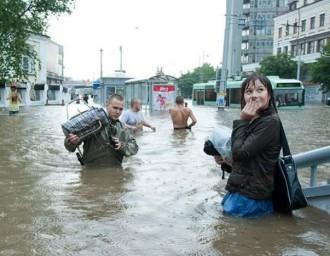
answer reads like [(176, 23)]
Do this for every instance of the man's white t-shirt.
[(132, 118)]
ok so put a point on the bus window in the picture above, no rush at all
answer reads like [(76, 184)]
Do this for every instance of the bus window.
[(235, 96), (288, 85), (195, 95), (288, 97), (210, 95)]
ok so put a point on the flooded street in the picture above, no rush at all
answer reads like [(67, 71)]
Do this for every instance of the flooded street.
[(163, 201)]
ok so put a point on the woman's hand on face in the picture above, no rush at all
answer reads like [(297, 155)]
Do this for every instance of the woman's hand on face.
[(250, 110)]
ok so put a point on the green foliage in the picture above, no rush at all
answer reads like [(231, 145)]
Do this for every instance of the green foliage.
[(320, 69), (199, 74), (18, 19), (280, 65)]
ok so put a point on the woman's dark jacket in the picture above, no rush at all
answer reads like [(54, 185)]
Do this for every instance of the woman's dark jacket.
[(256, 147)]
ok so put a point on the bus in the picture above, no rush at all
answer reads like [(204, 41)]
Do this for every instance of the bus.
[(205, 93), (288, 93)]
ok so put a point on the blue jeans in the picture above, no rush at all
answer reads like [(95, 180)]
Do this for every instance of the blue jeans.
[(238, 205)]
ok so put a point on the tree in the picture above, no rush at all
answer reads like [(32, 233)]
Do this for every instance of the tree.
[(320, 69), (18, 19), (280, 65), (199, 74)]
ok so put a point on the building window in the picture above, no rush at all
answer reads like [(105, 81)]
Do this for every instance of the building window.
[(25, 63), (285, 50), (293, 6), (245, 32), (295, 26), (279, 32), (279, 50), (322, 18), (245, 46), (312, 25), (310, 47), (287, 30), (303, 25), (293, 50), (246, 6), (305, 2), (320, 44), (277, 3), (302, 48), (245, 59)]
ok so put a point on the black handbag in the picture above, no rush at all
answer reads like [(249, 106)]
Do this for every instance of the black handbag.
[(287, 194)]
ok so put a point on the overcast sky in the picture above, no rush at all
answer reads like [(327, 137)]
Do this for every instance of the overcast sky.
[(173, 34)]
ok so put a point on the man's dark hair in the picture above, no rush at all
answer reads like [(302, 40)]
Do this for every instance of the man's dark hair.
[(115, 96), (179, 100)]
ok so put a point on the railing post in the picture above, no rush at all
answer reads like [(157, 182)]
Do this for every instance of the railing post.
[(313, 175)]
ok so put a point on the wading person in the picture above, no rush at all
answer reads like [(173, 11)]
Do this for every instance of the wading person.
[(180, 115), (134, 119), (255, 149), (111, 144), (14, 99)]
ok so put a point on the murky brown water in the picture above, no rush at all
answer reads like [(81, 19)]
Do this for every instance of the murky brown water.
[(163, 201)]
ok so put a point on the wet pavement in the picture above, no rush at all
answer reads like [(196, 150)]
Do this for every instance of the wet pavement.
[(163, 201)]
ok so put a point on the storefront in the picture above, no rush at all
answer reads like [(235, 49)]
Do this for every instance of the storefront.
[(54, 94), (37, 94)]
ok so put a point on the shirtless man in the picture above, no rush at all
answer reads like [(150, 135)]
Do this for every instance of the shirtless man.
[(180, 115)]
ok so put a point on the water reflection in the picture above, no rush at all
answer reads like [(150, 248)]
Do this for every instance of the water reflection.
[(98, 191)]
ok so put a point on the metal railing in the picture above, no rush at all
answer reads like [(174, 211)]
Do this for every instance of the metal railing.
[(318, 195), (312, 159)]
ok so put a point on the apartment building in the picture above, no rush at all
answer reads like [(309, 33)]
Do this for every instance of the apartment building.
[(258, 30), (44, 84), (303, 30)]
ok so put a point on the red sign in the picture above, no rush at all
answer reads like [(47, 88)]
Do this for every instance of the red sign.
[(164, 88)]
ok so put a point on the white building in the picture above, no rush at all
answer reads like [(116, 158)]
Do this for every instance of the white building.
[(45, 76), (303, 30)]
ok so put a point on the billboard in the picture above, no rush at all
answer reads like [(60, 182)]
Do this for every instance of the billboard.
[(163, 96)]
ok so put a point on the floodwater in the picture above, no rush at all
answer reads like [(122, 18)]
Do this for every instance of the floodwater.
[(163, 201)]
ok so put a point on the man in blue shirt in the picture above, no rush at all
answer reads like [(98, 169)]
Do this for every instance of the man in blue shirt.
[(134, 119)]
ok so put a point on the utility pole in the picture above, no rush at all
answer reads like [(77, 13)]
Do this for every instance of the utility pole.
[(231, 57), (121, 60), (101, 76), (101, 63)]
